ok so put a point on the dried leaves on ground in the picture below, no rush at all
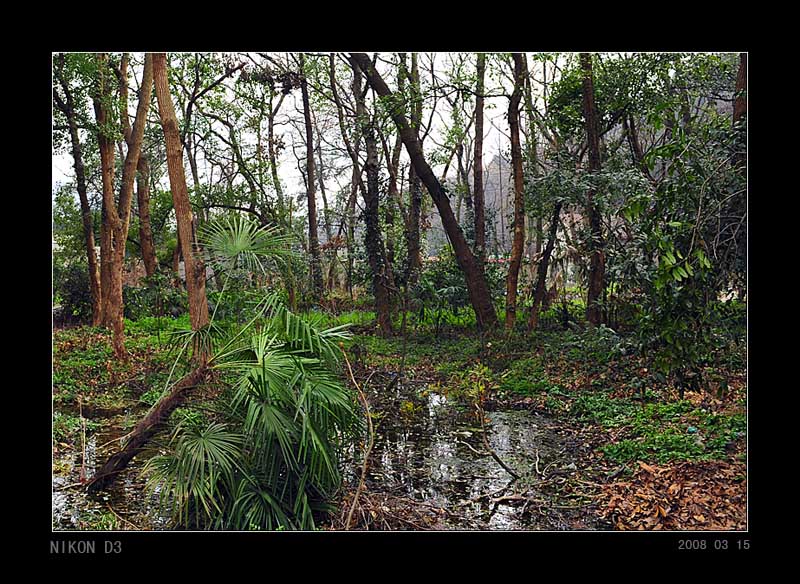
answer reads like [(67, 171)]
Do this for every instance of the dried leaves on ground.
[(709, 495)]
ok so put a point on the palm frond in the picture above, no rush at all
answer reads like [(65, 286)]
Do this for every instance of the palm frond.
[(239, 243)]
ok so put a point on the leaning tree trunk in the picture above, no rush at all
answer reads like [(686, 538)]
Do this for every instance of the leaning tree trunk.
[(518, 243), (475, 280), (146, 429), (313, 236), (594, 312), (194, 266)]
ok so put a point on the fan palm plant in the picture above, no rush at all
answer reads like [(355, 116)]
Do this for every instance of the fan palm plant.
[(269, 458)]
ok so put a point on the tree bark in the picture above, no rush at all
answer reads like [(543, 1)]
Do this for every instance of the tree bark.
[(373, 241), (518, 242), (740, 110), (194, 266), (475, 280), (414, 260), (146, 429), (541, 271), (594, 312), (477, 186), (67, 107), (313, 237), (145, 229)]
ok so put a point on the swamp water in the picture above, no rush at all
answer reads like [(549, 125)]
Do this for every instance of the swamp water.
[(431, 450), (428, 450), (124, 505)]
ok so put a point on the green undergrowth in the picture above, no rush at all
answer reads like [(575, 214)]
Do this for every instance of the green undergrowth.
[(660, 431), (84, 365), (67, 427), (592, 378)]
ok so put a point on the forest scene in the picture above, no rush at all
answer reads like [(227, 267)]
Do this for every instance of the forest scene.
[(422, 291)]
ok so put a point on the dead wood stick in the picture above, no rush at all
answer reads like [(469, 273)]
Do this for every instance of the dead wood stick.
[(489, 448), (370, 442)]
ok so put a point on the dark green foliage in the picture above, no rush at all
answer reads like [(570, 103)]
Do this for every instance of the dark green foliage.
[(273, 462), (157, 297), (71, 284)]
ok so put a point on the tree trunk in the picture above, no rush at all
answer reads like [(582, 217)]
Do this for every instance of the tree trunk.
[(541, 272), (118, 215), (594, 313), (313, 237), (475, 280), (414, 260), (194, 266), (67, 107), (146, 429), (477, 187), (518, 242), (373, 241), (740, 112), (145, 230)]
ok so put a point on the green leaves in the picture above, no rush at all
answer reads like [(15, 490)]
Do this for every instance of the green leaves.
[(289, 414), (239, 243)]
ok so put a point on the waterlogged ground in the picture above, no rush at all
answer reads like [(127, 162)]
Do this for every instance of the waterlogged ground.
[(124, 505), (595, 442), (429, 452)]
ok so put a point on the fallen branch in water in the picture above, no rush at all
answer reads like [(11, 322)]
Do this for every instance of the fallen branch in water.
[(499, 461), (147, 428), (120, 517)]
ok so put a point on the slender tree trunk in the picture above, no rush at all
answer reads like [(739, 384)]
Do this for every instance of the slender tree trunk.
[(67, 107), (475, 280), (477, 187), (740, 112), (313, 237), (106, 259), (532, 164), (193, 264), (373, 241), (594, 313), (145, 229), (518, 242), (541, 271), (414, 260)]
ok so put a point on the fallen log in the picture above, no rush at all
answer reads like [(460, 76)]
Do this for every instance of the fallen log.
[(146, 429)]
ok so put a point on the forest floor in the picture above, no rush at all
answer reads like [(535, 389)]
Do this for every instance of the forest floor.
[(562, 430)]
